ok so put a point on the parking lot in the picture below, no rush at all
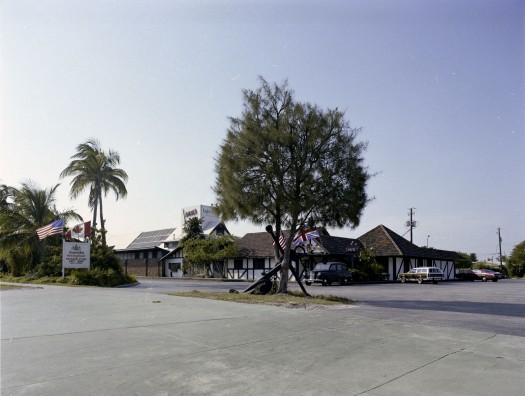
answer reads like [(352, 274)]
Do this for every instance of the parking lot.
[(448, 339), (483, 306)]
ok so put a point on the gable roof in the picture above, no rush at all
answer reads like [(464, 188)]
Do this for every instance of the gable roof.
[(260, 244), (385, 242), (256, 244), (339, 245), (151, 239)]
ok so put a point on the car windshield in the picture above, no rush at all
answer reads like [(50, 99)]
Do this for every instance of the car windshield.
[(322, 267)]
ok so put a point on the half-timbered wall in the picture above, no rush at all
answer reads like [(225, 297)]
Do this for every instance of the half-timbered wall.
[(398, 265), (252, 268)]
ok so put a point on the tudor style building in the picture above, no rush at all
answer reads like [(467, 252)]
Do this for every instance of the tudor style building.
[(256, 254), (398, 255), (395, 253)]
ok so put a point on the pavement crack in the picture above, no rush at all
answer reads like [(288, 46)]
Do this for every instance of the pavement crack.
[(117, 328), (425, 365)]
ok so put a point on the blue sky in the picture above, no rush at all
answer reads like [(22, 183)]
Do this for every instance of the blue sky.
[(437, 87)]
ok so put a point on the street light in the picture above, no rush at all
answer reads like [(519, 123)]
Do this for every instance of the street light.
[(428, 236)]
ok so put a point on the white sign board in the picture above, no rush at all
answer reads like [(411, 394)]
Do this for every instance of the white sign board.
[(75, 254), (206, 213)]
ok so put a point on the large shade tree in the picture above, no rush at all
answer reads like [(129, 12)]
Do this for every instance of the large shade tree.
[(516, 260), (22, 211), (291, 164), (96, 170)]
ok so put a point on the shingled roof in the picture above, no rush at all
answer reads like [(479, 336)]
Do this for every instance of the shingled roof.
[(385, 242), (260, 244), (339, 245), (256, 244)]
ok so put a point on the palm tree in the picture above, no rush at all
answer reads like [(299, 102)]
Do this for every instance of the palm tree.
[(96, 170), (22, 211)]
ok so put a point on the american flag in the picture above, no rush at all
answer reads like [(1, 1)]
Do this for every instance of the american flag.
[(55, 228), (282, 241)]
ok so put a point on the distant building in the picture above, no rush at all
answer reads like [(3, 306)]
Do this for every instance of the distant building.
[(143, 256), (157, 253), (398, 255)]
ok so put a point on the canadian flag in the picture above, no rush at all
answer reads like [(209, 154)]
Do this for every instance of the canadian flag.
[(79, 231)]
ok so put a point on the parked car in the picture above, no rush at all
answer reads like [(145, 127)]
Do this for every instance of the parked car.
[(485, 275), (422, 274), (466, 275), (328, 273)]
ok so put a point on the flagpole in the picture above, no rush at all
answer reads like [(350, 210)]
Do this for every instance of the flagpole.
[(63, 244)]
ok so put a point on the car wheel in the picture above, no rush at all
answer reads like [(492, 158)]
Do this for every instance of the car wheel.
[(494, 280), (325, 282), (435, 282), (419, 280), (403, 279), (483, 279), (308, 283)]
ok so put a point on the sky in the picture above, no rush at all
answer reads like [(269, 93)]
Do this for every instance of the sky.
[(437, 88)]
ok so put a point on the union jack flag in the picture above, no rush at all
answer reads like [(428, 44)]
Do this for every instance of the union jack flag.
[(305, 235)]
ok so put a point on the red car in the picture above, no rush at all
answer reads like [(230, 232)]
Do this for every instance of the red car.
[(485, 275)]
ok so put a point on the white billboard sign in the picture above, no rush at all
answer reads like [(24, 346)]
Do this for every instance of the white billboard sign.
[(75, 254)]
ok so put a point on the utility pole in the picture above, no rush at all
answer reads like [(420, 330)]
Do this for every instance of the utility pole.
[(411, 223), (500, 259)]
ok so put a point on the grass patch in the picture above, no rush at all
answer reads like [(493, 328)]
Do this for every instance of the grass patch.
[(7, 287), (291, 300), (101, 278)]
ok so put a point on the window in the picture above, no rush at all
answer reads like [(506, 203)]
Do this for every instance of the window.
[(237, 264), (175, 266), (258, 263)]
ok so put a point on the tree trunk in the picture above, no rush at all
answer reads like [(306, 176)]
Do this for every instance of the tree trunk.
[(102, 225), (283, 284), (94, 223), (285, 267)]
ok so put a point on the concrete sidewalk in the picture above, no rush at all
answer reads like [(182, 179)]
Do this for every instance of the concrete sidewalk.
[(91, 341)]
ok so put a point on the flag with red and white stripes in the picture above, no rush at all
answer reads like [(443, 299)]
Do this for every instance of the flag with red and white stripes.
[(55, 228), (282, 241)]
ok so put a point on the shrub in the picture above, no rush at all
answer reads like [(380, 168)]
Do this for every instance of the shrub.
[(101, 277)]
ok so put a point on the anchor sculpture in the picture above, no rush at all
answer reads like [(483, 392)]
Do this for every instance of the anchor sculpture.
[(264, 284)]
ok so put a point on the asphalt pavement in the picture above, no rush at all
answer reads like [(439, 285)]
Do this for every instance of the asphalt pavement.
[(91, 341)]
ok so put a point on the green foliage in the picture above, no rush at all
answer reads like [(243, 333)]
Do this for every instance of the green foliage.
[(96, 170), (367, 267), (100, 277), (192, 229), (102, 256), (105, 270), (466, 262), (200, 253), (291, 160), (290, 164), (51, 265), (516, 260), (22, 211)]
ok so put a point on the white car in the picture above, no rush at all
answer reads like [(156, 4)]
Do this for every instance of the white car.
[(422, 274)]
